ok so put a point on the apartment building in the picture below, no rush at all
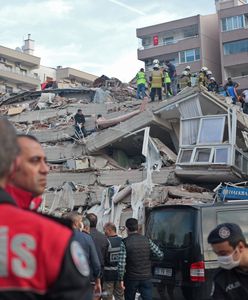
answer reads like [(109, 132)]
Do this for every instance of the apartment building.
[(233, 36), (16, 68), (218, 41), (190, 41), (20, 70)]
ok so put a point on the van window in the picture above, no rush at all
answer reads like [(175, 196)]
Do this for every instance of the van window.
[(238, 217), (171, 228)]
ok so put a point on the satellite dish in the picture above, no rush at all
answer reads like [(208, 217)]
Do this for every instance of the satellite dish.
[(18, 49)]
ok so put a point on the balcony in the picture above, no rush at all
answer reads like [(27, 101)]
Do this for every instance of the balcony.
[(16, 56), (171, 46), (209, 150), (17, 77)]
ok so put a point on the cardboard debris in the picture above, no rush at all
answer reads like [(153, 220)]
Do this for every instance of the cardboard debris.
[(15, 111)]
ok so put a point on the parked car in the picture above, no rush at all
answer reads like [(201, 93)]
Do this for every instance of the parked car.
[(181, 231)]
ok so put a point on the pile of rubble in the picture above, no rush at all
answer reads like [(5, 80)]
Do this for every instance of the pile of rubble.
[(134, 156)]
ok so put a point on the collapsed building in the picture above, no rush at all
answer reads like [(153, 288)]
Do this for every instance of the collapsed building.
[(139, 154)]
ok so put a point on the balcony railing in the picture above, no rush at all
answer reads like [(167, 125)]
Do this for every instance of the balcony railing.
[(18, 72), (165, 43)]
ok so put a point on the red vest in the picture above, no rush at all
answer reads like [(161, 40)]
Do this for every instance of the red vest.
[(32, 249), (23, 198)]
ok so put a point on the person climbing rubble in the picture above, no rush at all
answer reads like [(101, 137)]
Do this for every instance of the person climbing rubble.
[(79, 124)]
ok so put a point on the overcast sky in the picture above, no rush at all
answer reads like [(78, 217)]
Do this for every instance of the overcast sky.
[(95, 36)]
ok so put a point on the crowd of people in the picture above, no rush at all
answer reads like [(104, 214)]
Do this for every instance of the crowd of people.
[(45, 257), (165, 80)]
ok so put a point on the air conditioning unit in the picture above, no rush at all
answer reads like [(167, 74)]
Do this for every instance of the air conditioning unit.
[(2, 59)]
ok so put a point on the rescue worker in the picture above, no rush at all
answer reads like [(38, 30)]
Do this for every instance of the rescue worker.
[(111, 284), (213, 86), (39, 259), (202, 77), (141, 84), (209, 74), (187, 68), (185, 80), (167, 83), (229, 244), (155, 62), (156, 82)]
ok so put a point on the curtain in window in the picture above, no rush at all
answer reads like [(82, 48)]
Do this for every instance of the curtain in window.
[(188, 109)]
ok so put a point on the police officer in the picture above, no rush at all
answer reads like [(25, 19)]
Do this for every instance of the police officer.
[(231, 281), (39, 259), (111, 284)]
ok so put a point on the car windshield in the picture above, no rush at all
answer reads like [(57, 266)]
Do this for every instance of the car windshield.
[(171, 228)]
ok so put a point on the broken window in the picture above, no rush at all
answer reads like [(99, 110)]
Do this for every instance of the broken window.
[(211, 130)]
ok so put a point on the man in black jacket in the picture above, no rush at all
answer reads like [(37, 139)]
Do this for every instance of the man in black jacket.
[(100, 240), (79, 124), (134, 266), (231, 281)]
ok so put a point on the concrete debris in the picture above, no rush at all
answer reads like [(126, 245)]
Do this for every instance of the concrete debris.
[(135, 154)]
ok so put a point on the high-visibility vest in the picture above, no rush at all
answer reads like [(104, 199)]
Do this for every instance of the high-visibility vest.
[(167, 78), (157, 78), (141, 78)]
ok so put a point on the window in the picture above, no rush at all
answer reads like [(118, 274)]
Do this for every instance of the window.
[(236, 47), (189, 55), (171, 228), (211, 130), (221, 155), (238, 159), (232, 23), (168, 40), (185, 156), (202, 155), (239, 217), (190, 31), (190, 131), (146, 42)]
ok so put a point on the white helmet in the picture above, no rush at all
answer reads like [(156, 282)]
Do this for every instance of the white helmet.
[(156, 66), (212, 78), (187, 68), (209, 72), (155, 62), (185, 73), (204, 69)]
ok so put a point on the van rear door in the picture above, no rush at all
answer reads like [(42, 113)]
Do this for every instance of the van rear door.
[(176, 230)]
